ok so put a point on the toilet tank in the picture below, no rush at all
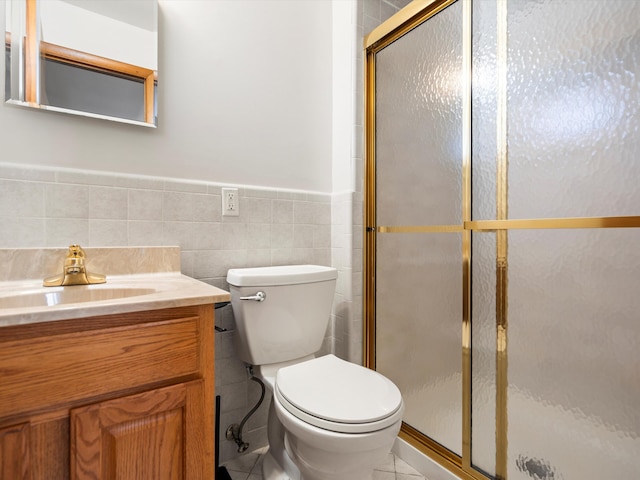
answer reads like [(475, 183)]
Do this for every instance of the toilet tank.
[(292, 319)]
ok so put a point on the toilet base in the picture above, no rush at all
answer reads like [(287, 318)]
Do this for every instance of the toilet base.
[(271, 469), (321, 454), (276, 464)]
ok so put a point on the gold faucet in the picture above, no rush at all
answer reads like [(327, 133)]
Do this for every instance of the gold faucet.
[(74, 272)]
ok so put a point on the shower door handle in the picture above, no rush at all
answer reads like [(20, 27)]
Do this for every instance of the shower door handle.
[(258, 297)]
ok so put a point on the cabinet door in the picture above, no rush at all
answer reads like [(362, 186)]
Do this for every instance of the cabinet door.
[(155, 435), (14, 452)]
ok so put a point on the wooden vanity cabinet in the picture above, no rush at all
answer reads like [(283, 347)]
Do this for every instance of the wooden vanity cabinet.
[(127, 396)]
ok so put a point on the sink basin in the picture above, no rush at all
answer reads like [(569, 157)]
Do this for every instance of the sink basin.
[(70, 295), (28, 301)]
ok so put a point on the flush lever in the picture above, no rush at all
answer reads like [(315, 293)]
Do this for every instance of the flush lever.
[(258, 297)]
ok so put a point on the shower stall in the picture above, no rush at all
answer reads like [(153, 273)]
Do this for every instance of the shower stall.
[(502, 233)]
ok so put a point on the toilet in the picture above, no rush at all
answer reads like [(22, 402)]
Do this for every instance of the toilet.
[(329, 419)]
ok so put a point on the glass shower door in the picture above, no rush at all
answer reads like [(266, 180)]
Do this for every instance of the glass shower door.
[(563, 79), (505, 305), (419, 218)]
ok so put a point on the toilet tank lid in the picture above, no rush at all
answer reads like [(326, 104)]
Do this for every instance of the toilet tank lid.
[(280, 275)]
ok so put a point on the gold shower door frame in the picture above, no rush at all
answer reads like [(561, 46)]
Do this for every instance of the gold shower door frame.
[(403, 22), (393, 29)]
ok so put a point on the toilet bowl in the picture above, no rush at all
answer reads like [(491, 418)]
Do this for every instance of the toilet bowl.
[(329, 419), (340, 419)]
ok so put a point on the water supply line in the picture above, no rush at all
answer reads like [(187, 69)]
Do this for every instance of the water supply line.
[(234, 431)]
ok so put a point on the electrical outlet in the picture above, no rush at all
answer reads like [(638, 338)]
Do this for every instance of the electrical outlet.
[(230, 202)]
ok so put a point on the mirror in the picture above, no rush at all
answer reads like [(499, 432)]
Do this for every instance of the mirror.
[(96, 58)]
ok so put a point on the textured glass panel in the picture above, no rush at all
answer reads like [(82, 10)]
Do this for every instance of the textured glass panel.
[(573, 107), (419, 124), (483, 122), (483, 351), (418, 329), (574, 361)]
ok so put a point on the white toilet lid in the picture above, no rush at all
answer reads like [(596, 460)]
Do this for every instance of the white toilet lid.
[(333, 390)]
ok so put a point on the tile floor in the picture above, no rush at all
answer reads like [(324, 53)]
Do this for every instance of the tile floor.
[(249, 467)]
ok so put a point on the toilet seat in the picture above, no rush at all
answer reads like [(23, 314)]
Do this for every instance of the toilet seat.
[(339, 396)]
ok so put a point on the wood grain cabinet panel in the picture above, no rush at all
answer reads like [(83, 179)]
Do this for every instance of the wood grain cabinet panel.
[(80, 365), (14, 452), (127, 397), (139, 437)]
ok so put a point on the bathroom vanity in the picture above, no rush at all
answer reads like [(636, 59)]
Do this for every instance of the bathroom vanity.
[(118, 388)]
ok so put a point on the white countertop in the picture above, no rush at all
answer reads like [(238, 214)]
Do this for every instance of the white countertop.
[(26, 301)]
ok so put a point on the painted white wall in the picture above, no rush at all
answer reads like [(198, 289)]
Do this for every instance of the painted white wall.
[(344, 89), (245, 97)]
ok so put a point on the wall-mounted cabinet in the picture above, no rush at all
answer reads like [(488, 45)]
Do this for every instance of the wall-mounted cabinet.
[(96, 59)]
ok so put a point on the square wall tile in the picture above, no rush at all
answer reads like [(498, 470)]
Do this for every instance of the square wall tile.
[(21, 199), (107, 233), (145, 205), (62, 232), (108, 203), (66, 201), (22, 232), (282, 211)]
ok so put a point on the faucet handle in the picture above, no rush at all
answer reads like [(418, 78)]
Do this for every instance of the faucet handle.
[(74, 263), (75, 251)]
